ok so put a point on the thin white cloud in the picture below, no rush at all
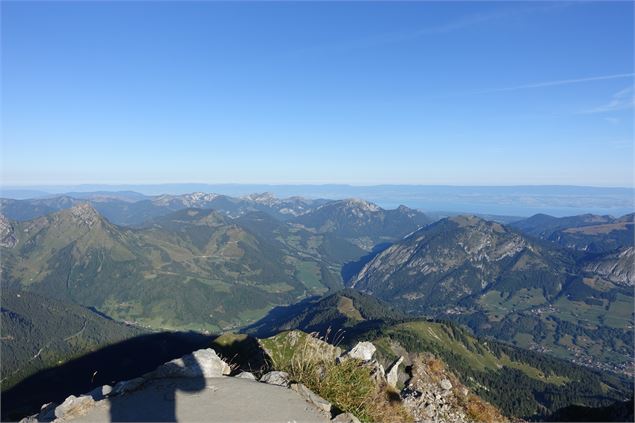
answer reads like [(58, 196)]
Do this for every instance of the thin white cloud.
[(457, 24), (557, 83), (621, 100)]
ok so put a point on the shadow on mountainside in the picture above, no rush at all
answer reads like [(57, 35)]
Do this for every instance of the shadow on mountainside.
[(351, 268), (269, 324), (122, 361)]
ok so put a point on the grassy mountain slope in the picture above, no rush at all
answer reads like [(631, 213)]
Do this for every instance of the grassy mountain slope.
[(194, 269)]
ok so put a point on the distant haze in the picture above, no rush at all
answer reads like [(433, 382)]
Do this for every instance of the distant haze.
[(499, 200)]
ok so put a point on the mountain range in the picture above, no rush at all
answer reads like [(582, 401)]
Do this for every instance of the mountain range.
[(538, 287)]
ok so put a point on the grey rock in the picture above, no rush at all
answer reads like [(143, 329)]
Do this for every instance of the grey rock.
[(392, 374), (377, 373), (362, 351), (246, 375), (7, 233), (202, 363), (345, 418), (74, 406), (276, 378), (127, 386), (446, 384), (47, 412), (100, 392), (313, 398)]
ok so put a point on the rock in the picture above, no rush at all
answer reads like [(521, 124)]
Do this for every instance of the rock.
[(362, 351), (430, 410), (202, 363), (276, 378), (392, 374), (446, 384), (7, 233), (74, 406), (345, 418), (313, 398), (100, 392), (377, 373), (126, 386), (47, 413), (246, 375)]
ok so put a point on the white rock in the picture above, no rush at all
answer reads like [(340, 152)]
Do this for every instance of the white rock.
[(446, 384), (100, 392), (74, 406), (276, 378), (202, 363), (246, 375), (362, 351), (345, 418), (392, 374)]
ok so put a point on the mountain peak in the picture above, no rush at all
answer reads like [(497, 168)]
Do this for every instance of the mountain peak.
[(260, 197), (84, 213), (361, 204)]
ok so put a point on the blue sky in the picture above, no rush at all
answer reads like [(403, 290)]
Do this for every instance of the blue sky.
[(489, 93)]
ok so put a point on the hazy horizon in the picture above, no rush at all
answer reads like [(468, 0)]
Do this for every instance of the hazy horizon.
[(495, 200)]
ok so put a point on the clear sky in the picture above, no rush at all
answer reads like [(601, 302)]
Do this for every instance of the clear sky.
[(492, 93)]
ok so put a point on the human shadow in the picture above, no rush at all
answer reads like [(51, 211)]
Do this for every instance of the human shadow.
[(121, 361), (155, 400)]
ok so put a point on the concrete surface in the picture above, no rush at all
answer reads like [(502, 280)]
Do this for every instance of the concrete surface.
[(223, 399)]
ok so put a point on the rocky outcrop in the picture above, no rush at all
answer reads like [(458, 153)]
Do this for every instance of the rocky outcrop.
[(617, 267), (85, 213), (7, 233), (434, 394)]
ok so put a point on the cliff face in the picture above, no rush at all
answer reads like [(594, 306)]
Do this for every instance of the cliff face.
[(617, 267)]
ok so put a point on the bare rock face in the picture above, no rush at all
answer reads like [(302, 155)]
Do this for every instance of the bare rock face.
[(7, 233), (202, 363), (617, 267), (85, 213)]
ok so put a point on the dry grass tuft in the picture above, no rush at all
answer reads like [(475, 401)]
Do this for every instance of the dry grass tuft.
[(348, 385), (481, 411)]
